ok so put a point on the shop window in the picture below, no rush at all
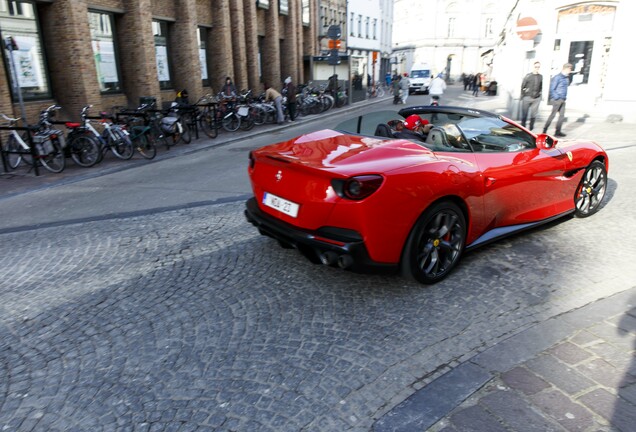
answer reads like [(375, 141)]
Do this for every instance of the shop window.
[(18, 20), (103, 42), (283, 7), (203, 56), (306, 15), (160, 31)]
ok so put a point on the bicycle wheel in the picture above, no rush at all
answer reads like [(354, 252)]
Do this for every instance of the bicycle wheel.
[(54, 160), (379, 91), (327, 102), (158, 137), (247, 122), (184, 136), (231, 122), (11, 149), (207, 124), (145, 146), (120, 144), (258, 114), (85, 150)]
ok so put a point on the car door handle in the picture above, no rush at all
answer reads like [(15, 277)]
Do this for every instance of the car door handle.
[(490, 181)]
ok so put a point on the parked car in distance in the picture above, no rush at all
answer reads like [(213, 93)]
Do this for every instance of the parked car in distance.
[(359, 199), (420, 79)]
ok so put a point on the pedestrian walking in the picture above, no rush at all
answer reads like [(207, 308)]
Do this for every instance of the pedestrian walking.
[(290, 93), (476, 84), (531, 89), (404, 87), (436, 90), (557, 96), (271, 94), (396, 90)]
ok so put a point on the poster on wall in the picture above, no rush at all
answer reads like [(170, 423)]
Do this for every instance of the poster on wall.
[(26, 64), (104, 52), (163, 72), (204, 64)]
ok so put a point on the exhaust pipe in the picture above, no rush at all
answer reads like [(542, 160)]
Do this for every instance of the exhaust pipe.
[(328, 258), (345, 261)]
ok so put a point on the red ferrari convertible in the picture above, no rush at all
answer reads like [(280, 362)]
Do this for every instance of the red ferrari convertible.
[(360, 198)]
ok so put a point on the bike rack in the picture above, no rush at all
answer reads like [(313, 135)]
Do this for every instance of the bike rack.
[(31, 151)]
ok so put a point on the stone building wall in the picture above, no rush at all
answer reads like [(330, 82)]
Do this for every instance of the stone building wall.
[(240, 37)]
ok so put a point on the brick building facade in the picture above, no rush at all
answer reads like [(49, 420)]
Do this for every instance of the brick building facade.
[(255, 42)]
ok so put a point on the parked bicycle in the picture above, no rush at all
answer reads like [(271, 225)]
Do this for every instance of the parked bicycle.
[(138, 125), (227, 113), (83, 147), (16, 145), (48, 144), (114, 137), (174, 127)]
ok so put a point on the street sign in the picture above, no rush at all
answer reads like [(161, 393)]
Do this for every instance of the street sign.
[(334, 32), (527, 28), (334, 57)]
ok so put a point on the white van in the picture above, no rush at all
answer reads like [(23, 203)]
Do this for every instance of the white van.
[(420, 78)]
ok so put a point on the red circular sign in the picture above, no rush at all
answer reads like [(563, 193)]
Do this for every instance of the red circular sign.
[(527, 28)]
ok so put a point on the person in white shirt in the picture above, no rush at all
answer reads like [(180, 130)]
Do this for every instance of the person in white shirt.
[(438, 85)]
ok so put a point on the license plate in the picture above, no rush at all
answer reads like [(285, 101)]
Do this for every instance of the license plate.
[(280, 204), (242, 111)]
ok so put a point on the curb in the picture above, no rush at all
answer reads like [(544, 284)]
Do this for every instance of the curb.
[(436, 400)]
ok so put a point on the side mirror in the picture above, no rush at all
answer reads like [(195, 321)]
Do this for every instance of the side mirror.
[(545, 141)]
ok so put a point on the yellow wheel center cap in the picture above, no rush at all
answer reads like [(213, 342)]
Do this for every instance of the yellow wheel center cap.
[(589, 190), (436, 242)]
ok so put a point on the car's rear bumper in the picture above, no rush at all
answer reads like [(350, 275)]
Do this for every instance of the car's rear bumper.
[(331, 246)]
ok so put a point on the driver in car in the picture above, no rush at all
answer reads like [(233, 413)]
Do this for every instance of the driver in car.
[(415, 128)]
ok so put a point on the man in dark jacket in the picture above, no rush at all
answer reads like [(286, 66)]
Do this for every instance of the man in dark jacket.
[(289, 90), (558, 94), (531, 88)]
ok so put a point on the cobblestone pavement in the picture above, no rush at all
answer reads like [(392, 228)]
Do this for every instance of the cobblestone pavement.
[(189, 320)]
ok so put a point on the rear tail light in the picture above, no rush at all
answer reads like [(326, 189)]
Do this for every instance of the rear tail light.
[(358, 187)]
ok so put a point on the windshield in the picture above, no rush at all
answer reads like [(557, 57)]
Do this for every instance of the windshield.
[(420, 74), (492, 134)]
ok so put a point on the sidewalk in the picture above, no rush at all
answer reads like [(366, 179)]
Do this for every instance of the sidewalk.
[(574, 372)]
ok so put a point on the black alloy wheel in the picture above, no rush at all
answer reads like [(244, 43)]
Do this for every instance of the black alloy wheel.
[(435, 244), (591, 190)]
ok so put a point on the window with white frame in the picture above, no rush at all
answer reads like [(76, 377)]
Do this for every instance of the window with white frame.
[(25, 60), (306, 15), (351, 24), (283, 7), (488, 28), (160, 32), (104, 52), (451, 27), (202, 36)]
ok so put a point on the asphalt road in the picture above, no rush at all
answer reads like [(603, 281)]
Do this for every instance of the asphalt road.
[(142, 300)]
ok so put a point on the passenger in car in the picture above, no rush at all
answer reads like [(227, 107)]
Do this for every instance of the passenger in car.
[(415, 128)]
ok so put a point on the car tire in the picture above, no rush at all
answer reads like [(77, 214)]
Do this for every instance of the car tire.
[(436, 243), (591, 190)]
